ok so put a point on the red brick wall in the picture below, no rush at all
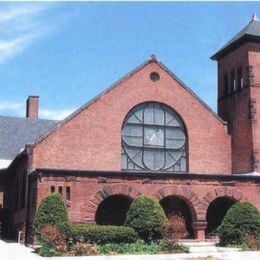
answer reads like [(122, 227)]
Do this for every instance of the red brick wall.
[(233, 60), (237, 113), (238, 108), (17, 193), (255, 94), (254, 60), (92, 139), (235, 109), (88, 192)]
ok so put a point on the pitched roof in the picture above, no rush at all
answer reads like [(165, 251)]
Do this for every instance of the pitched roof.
[(120, 81), (16, 132), (250, 32)]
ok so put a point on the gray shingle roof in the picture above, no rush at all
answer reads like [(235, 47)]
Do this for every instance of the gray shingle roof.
[(16, 132), (250, 31)]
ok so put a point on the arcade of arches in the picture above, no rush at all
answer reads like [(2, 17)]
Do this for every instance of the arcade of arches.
[(112, 209)]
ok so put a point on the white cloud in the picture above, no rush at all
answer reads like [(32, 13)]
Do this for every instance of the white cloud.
[(18, 109), (14, 12), (58, 114), (10, 48), (20, 26), (13, 106)]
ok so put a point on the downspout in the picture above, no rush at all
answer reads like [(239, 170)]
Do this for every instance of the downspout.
[(29, 170)]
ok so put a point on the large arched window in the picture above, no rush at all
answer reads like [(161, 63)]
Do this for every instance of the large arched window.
[(154, 138)]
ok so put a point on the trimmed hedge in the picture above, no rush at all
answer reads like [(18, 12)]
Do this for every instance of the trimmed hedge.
[(101, 234), (146, 216), (52, 211), (241, 220)]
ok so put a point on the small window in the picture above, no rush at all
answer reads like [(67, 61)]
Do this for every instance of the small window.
[(52, 189), (154, 76), (240, 83), (226, 90), (67, 193), (232, 82), (60, 189)]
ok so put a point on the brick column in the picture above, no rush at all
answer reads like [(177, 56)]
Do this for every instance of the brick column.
[(199, 229)]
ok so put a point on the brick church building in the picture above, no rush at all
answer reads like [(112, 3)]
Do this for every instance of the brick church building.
[(146, 134)]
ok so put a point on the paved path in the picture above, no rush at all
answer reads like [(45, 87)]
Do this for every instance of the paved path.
[(14, 251), (197, 256)]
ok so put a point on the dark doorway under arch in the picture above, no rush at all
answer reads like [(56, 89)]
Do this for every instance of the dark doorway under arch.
[(112, 210), (216, 212), (176, 206)]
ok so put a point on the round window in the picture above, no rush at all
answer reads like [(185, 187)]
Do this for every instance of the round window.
[(153, 138), (154, 76)]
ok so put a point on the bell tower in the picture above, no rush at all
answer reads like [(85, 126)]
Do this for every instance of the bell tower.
[(239, 95)]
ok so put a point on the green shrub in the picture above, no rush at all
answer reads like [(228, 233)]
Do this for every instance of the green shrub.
[(48, 250), (82, 249), (140, 247), (167, 246), (101, 234), (241, 220), (146, 216), (51, 210)]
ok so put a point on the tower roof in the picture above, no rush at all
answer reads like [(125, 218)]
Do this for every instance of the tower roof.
[(251, 32)]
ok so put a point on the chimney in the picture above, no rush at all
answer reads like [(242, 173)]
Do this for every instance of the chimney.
[(32, 106)]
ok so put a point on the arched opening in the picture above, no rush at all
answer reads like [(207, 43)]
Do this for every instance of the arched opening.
[(176, 206), (112, 210), (216, 212)]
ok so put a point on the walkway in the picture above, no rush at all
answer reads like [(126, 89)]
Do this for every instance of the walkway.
[(14, 251)]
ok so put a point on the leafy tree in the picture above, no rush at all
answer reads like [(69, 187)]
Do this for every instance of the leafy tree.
[(52, 211), (241, 220), (146, 216)]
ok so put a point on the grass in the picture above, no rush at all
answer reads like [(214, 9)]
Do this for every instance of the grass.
[(140, 247)]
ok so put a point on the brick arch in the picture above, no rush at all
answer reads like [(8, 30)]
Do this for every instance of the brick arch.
[(181, 192), (106, 191), (227, 192), (159, 102)]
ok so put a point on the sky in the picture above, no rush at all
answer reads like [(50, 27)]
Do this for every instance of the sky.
[(68, 52)]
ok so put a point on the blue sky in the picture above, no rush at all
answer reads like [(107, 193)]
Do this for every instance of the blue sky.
[(69, 52)]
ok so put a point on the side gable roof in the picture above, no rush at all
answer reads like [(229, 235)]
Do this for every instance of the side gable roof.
[(16, 132), (153, 59)]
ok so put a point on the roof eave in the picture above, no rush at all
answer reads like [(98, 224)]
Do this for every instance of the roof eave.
[(93, 100), (147, 174), (234, 45), (153, 59), (5, 164)]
